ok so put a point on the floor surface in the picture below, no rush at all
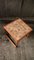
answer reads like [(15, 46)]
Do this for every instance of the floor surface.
[(24, 51)]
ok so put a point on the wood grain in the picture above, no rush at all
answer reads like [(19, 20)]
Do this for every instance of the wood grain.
[(17, 29)]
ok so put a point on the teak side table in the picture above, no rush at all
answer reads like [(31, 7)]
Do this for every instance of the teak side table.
[(16, 30)]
